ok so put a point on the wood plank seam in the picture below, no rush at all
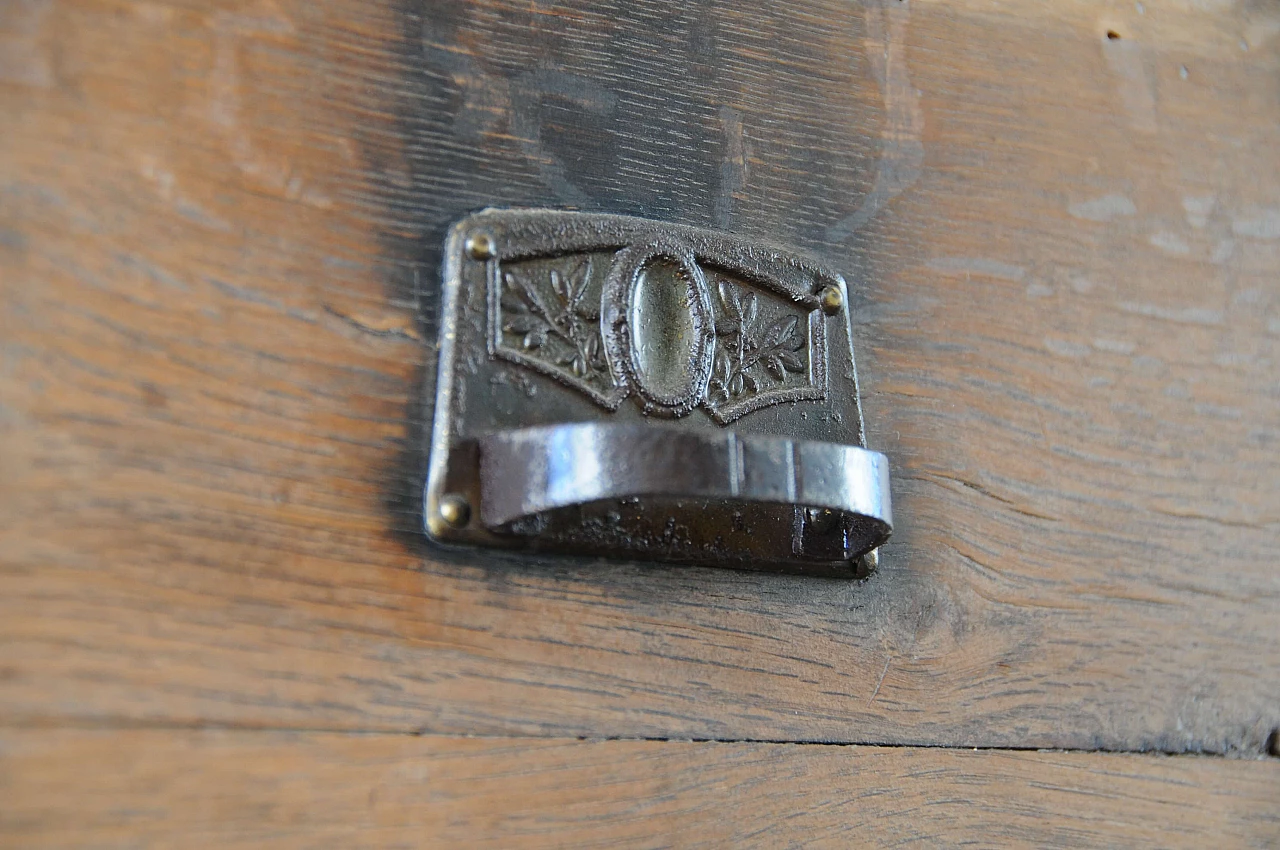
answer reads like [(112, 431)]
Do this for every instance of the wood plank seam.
[(217, 788), (94, 724)]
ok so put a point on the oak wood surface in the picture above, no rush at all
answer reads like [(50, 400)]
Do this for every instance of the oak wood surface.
[(164, 788), (219, 231)]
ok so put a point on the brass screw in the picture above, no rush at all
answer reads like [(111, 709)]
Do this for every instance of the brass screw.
[(832, 299), (454, 510), (481, 246)]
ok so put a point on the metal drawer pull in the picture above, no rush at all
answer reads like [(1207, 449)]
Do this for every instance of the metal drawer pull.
[(617, 386), (531, 470)]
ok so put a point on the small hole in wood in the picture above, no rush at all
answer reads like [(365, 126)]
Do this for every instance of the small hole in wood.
[(1112, 35), (1273, 743)]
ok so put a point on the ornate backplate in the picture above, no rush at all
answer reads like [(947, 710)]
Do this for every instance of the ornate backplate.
[(727, 344), (570, 340)]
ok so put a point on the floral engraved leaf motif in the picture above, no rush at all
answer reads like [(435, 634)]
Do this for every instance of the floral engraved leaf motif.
[(791, 361), (731, 322), (515, 297), (529, 292), (549, 311), (521, 314), (750, 306), (729, 298), (782, 334), (722, 366), (559, 285), (535, 338), (576, 284), (721, 372)]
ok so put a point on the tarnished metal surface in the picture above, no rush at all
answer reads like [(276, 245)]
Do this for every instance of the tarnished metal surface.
[(612, 385)]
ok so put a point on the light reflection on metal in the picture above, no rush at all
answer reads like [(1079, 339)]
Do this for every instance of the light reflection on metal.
[(618, 386)]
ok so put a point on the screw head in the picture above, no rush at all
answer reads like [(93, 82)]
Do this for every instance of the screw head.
[(454, 510), (481, 246), (832, 299)]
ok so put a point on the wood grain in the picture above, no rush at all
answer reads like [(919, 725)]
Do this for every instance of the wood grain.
[(219, 231), (278, 789)]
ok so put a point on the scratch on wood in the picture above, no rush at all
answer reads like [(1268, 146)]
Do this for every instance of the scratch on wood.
[(1198, 209), (1264, 224), (883, 673), (224, 102), (1104, 208), (1170, 243), (979, 266), (526, 123), (733, 168), (486, 98), (1185, 315), (163, 180), (1124, 58), (901, 151)]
